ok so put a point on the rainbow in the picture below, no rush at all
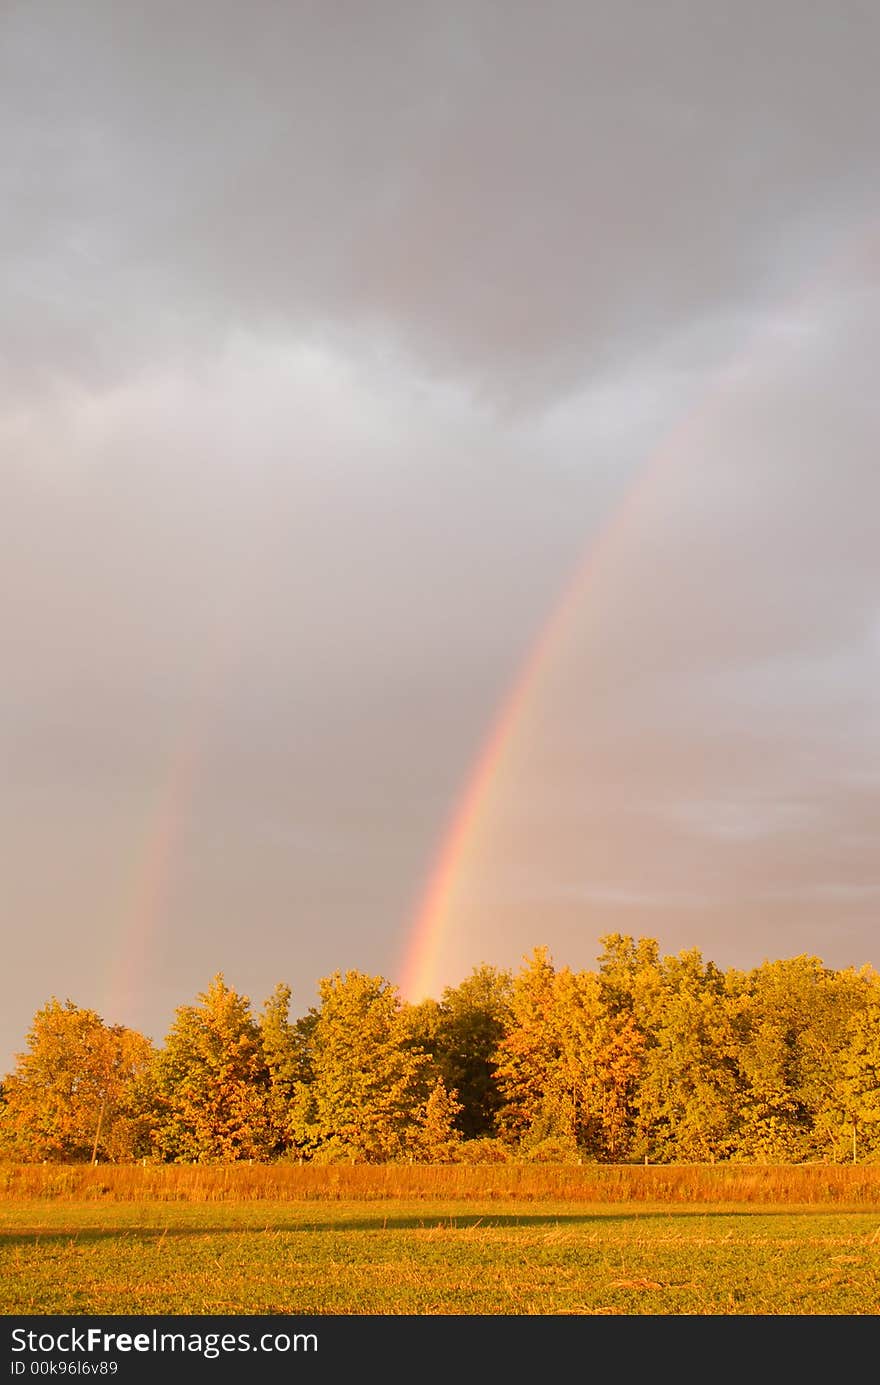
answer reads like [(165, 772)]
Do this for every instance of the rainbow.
[(433, 917), (145, 902), (151, 879), (433, 914)]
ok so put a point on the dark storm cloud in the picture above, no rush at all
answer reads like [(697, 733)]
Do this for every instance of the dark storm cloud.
[(516, 196)]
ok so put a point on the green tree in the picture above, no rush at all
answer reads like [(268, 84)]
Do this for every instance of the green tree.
[(793, 1019), (286, 1053), (470, 1022), (689, 1093), (772, 1005), (370, 1084)]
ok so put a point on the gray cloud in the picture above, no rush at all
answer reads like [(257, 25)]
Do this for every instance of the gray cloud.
[(516, 201)]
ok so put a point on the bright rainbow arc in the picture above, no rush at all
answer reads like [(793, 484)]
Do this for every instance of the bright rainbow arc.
[(418, 969)]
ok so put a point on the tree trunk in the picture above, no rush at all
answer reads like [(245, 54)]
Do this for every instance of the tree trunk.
[(98, 1131)]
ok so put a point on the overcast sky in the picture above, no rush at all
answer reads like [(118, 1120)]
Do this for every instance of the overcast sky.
[(333, 338)]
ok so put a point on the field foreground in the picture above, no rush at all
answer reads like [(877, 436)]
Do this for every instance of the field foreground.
[(189, 1241)]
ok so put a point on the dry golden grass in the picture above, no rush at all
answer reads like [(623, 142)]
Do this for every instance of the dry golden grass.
[(806, 1184)]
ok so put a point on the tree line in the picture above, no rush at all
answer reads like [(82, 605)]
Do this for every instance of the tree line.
[(647, 1057)]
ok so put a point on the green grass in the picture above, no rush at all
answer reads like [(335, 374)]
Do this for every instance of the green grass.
[(397, 1256)]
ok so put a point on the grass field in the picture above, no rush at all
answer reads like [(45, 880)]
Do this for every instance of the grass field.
[(189, 1241)]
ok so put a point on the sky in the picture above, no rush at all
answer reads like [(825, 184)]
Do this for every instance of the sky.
[(370, 373)]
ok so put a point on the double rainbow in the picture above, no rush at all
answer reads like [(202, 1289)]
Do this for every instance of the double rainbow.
[(434, 916)]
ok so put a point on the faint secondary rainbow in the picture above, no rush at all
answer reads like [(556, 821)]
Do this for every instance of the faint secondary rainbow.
[(152, 878), (146, 904)]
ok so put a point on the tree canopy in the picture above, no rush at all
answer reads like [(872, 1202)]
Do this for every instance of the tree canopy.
[(643, 1057)]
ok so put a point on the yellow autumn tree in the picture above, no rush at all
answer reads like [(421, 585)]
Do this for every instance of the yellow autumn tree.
[(859, 1082), (212, 1082), (567, 1065), (438, 1140), (73, 1093)]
